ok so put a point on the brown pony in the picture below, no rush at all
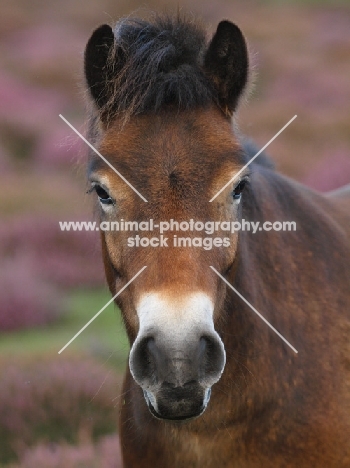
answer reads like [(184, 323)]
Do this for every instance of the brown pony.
[(209, 384)]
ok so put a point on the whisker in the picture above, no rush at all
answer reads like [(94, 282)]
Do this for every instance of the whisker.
[(109, 372)]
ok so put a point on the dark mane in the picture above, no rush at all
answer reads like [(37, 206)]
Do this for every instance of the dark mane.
[(157, 63)]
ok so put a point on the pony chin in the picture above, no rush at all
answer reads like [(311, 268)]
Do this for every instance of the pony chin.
[(153, 408)]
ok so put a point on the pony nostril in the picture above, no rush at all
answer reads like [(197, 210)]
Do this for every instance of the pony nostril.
[(142, 359), (202, 356), (202, 345), (211, 358), (152, 348)]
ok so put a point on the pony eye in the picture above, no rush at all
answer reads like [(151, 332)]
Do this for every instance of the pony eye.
[(103, 196), (237, 191)]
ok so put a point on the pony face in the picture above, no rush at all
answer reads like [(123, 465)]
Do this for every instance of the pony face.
[(177, 158), (178, 162)]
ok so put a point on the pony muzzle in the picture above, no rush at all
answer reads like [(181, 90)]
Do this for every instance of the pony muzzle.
[(177, 375)]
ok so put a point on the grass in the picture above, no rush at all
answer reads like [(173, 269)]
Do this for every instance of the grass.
[(104, 338)]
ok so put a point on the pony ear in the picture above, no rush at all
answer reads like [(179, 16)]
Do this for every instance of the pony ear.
[(226, 64), (96, 69)]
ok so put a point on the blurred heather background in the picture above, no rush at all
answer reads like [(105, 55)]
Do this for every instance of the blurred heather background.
[(61, 410)]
